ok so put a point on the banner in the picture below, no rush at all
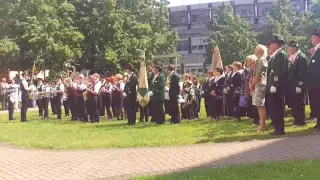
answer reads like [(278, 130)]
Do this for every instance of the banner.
[(142, 97)]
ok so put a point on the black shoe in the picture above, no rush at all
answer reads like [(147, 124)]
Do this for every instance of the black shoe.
[(277, 133), (24, 121), (11, 119)]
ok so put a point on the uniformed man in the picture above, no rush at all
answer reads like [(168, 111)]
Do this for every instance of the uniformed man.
[(81, 111), (11, 97), (59, 94), (277, 76), (174, 91), (25, 88), (156, 93), (150, 79), (39, 97), (207, 89), (313, 77), (46, 98), (297, 75), (130, 95)]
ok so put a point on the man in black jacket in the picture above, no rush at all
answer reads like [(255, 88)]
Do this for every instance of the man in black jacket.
[(313, 77), (296, 89), (174, 91), (130, 95), (277, 76)]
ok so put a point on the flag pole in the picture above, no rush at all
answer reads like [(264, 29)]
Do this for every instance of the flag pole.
[(33, 71)]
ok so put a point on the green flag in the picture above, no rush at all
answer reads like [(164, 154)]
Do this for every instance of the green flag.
[(143, 98)]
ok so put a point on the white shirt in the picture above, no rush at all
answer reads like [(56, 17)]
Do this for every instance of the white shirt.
[(315, 49), (130, 75), (217, 78), (275, 53), (296, 54), (25, 84), (97, 87)]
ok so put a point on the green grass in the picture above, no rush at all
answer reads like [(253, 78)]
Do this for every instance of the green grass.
[(295, 170), (62, 135)]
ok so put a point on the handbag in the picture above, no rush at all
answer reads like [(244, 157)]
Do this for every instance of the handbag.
[(244, 101)]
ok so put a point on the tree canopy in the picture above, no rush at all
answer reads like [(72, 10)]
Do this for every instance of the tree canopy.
[(95, 34), (232, 34)]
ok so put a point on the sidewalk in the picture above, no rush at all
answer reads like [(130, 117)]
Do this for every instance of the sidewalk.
[(126, 163)]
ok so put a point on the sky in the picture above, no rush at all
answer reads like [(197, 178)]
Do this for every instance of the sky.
[(187, 2)]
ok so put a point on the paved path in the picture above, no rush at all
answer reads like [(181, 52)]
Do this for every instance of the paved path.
[(16, 163)]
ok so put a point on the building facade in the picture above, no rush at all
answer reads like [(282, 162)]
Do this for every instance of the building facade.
[(190, 22)]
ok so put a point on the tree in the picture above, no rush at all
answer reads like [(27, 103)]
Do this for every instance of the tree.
[(232, 34), (8, 51)]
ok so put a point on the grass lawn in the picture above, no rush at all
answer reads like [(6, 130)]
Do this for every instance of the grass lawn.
[(54, 134), (296, 170)]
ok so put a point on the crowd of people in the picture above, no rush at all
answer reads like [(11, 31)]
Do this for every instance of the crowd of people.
[(260, 86)]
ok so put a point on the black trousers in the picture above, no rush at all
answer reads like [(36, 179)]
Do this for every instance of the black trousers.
[(106, 106), (40, 106), (166, 104), (45, 103), (314, 98), (275, 107), (158, 112), (58, 106), (92, 103), (80, 109), (24, 105), (53, 103), (174, 111), (144, 113), (10, 110), (130, 107), (217, 106), (73, 107), (66, 107), (208, 105), (297, 104)]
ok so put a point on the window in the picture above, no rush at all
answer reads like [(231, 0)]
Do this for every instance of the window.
[(194, 18), (194, 47), (200, 70), (200, 47)]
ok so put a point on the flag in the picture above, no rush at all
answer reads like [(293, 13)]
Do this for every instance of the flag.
[(34, 68), (216, 58), (143, 98)]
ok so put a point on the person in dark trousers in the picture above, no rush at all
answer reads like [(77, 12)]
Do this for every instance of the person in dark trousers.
[(277, 76), (92, 95), (45, 99), (25, 88), (217, 93), (11, 97), (296, 84), (209, 101), (80, 109), (174, 91), (235, 89), (150, 79), (206, 96), (313, 77), (40, 88), (53, 99), (156, 93), (130, 94), (106, 97), (59, 93)]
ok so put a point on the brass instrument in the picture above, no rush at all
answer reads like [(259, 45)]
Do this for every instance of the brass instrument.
[(168, 81)]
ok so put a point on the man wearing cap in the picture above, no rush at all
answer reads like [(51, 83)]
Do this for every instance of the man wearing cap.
[(174, 91), (59, 91), (45, 98), (156, 93), (313, 77), (130, 95), (277, 76), (295, 88), (25, 88)]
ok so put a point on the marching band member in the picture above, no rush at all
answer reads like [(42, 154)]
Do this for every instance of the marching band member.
[(173, 93), (106, 92), (197, 88), (130, 94), (117, 97), (53, 101), (92, 95), (186, 78), (59, 93), (46, 98), (228, 95), (101, 96), (25, 88), (11, 97), (235, 89), (80, 109), (206, 95), (40, 88), (206, 92), (65, 97)]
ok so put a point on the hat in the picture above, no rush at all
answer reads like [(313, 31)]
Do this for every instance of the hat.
[(58, 77), (158, 66), (39, 78), (293, 43), (276, 38), (27, 72), (130, 67), (316, 31), (45, 80), (103, 76)]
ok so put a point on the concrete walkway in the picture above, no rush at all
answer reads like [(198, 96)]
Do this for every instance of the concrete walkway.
[(25, 164)]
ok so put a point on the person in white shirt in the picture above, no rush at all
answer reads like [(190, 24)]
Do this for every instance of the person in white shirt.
[(25, 88), (11, 97), (92, 95), (59, 91), (45, 98)]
